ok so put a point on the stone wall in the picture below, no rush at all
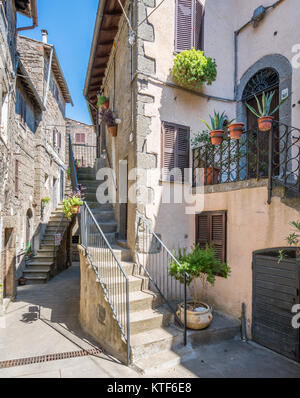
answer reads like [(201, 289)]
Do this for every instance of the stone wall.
[(85, 152), (96, 316)]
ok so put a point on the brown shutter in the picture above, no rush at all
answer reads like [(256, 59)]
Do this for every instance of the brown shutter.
[(182, 149), (218, 234), (198, 21), (168, 148), (211, 229), (202, 230), (184, 25)]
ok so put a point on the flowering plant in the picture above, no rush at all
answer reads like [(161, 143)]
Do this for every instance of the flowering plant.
[(108, 117), (75, 199)]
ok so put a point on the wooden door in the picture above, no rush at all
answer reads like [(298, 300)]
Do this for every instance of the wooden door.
[(275, 291)]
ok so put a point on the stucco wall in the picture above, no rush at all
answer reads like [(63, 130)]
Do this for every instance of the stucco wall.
[(252, 225)]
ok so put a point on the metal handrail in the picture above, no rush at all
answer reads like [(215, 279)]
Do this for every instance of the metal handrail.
[(102, 263), (154, 279)]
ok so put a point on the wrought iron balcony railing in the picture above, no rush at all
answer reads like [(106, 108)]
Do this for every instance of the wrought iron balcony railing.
[(274, 155)]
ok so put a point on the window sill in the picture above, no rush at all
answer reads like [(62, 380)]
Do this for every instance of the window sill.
[(188, 183)]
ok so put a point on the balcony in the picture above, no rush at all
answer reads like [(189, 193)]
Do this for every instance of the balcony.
[(273, 155)]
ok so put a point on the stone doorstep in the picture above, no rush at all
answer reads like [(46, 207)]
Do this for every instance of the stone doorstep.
[(163, 347)]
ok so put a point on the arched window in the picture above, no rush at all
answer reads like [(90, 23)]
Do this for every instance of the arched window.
[(264, 80)]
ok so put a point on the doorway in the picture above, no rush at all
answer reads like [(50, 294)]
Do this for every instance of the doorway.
[(276, 286), (62, 186), (265, 80), (54, 193)]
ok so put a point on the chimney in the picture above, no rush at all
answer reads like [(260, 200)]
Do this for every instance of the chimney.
[(45, 35)]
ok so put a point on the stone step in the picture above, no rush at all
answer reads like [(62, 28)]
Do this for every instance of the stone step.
[(144, 344), (37, 280), (122, 243), (111, 267), (90, 183), (166, 359), (94, 205), (104, 216), (41, 261), (121, 254), (141, 300), (147, 320), (135, 283), (86, 177), (45, 254), (107, 227), (110, 236), (41, 272)]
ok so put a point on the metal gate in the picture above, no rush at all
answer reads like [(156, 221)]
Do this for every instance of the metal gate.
[(275, 291)]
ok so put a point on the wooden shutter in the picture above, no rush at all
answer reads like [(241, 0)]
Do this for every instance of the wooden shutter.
[(211, 229), (182, 149), (59, 140), (188, 24), (175, 149), (198, 22), (168, 148), (184, 25)]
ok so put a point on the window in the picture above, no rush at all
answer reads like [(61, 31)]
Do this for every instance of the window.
[(17, 170), (80, 138), (189, 24), (56, 138), (175, 150), (211, 229), (21, 107)]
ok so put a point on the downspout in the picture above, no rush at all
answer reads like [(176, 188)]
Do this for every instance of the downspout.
[(34, 18), (49, 76)]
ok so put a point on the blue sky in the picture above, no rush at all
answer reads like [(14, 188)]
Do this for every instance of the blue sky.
[(70, 24)]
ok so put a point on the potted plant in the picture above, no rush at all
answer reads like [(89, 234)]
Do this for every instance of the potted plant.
[(22, 281), (192, 69), (71, 205), (109, 119), (235, 130), (203, 264), (69, 173), (45, 201), (264, 113), (103, 101), (216, 129)]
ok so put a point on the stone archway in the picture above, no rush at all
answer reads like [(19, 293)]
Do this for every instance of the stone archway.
[(283, 67)]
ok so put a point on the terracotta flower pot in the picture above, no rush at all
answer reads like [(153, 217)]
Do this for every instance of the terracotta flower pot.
[(75, 209), (235, 130), (105, 104), (22, 281), (195, 319), (216, 137), (211, 175), (113, 130), (265, 123)]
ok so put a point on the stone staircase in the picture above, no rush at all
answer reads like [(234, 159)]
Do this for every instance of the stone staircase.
[(38, 269), (154, 338)]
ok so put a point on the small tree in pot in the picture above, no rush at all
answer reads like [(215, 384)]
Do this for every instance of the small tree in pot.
[(198, 264)]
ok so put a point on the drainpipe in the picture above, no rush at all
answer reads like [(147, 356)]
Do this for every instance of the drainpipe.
[(258, 15), (49, 76), (34, 18)]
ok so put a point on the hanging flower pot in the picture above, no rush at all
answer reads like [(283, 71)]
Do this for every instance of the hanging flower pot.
[(105, 104), (235, 130), (216, 137), (265, 123), (75, 209), (113, 130)]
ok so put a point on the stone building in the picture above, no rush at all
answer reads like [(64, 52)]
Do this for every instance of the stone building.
[(38, 149), (83, 141), (255, 51), (9, 69)]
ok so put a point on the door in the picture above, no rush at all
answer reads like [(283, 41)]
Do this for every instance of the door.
[(62, 186), (54, 193), (258, 142), (9, 274), (275, 291)]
